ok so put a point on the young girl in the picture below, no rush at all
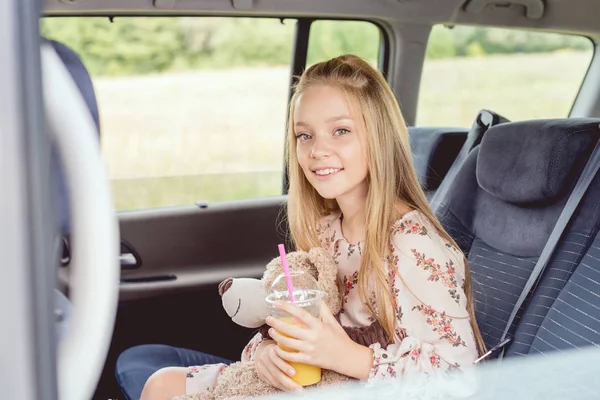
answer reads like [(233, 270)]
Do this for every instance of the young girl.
[(354, 191)]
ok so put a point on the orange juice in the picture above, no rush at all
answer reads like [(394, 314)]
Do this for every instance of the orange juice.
[(306, 375), (304, 293)]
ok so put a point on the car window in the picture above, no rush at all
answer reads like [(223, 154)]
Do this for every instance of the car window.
[(194, 109), (519, 74), (334, 38)]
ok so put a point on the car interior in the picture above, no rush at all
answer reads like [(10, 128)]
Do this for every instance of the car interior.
[(499, 185)]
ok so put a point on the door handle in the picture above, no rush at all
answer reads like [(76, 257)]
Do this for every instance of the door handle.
[(128, 261), (129, 258)]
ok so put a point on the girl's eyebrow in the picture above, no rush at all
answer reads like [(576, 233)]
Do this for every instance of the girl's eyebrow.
[(300, 123), (341, 117), (332, 119)]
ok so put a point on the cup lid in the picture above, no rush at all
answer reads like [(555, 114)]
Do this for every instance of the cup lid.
[(306, 289)]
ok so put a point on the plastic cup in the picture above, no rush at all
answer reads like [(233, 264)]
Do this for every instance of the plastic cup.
[(307, 297)]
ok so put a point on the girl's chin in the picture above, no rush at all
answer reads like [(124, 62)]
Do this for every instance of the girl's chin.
[(329, 194)]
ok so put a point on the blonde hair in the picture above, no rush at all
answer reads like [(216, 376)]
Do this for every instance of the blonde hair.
[(391, 177)]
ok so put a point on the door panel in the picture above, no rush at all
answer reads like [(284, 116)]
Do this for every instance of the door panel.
[(196, 248), (199, 247)]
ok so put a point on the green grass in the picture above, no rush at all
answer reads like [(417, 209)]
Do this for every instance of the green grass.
[(132, 194), (214, 135), (517, 86)]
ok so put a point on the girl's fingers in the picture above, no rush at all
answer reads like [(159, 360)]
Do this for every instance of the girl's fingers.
[(281, 364), (288, 329), (279, 372), (304, 316), (266, 375), (285, 341), (291, 357)]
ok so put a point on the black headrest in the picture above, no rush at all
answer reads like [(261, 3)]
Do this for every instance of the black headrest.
[(84, 82), (80, 75), (533, 161), (434, 150)]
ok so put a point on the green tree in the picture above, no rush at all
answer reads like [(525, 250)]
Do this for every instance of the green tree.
[(441, 43), (127, 46), (334, 38), (140, 45)]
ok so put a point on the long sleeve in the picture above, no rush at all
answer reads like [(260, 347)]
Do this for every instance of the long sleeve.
[(433, 327), (250, 348)]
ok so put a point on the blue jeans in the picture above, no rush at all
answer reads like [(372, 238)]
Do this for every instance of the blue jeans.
[(136, 364)]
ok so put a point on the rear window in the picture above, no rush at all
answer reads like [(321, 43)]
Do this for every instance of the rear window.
[(519, 74)]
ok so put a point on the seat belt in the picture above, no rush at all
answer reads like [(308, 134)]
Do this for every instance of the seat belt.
[(485, 120), (587, 175)]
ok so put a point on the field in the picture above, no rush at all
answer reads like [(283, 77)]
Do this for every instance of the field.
[(214, 135)]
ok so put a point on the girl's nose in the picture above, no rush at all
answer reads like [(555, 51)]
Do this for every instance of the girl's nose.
[(321, 148)]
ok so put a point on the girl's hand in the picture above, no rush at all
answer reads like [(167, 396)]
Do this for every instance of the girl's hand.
[(272, 369), (321, 343)]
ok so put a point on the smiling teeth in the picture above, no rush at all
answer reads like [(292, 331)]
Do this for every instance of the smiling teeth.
[(328, 171)]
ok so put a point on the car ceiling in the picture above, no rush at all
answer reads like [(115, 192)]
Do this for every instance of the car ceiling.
[(576, 16)]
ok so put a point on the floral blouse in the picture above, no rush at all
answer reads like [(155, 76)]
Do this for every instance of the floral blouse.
[(427, 274)]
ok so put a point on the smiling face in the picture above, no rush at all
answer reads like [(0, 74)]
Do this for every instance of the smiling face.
[(331, 143)]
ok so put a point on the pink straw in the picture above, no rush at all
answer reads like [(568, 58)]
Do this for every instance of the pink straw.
[(286, 272)]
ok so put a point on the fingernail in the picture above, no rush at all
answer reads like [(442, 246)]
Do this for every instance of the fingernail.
[(291, 372), (271, 331), (269, 320)]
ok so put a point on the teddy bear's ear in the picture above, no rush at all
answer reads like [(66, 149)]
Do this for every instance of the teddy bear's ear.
[(322, 261), (298, 261), (274, 268), (327, 277)]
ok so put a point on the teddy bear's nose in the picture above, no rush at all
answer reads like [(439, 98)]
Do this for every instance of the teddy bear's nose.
[(225, 285)]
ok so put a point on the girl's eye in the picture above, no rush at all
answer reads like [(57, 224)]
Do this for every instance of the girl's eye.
[(341, 132), (302, 136)]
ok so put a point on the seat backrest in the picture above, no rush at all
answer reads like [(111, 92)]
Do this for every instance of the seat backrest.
[(504, 202), (80, 75), (564, 310), (434, 150), (84, 82)]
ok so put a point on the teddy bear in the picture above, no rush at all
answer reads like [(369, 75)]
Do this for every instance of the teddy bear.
[(244, 301)]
